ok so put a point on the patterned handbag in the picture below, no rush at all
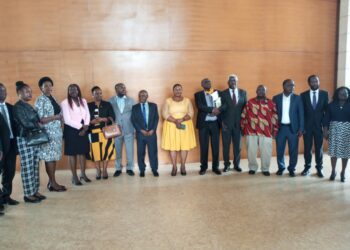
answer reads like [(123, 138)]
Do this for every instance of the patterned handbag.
[(111, 131)]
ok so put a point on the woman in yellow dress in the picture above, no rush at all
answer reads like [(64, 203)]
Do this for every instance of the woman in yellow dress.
[(178, 131)]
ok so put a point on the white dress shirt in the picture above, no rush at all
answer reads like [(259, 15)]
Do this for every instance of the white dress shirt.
[(236, 93), (285, 109), (7, 118), (312, 95)]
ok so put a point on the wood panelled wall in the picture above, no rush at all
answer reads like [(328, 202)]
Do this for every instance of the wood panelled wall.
[(154, 44)]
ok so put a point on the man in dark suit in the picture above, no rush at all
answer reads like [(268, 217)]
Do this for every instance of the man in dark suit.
[(291, 126), (144, 117), (9, 159), (1, 155), (208, 126), (233, 102), (315, 103)]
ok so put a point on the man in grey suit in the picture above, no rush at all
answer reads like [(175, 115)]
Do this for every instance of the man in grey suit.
[(122, 106)]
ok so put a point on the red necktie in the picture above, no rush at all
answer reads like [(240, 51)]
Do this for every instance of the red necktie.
[(234, 101)]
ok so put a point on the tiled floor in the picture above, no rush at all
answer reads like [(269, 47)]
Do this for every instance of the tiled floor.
[(232, 211)]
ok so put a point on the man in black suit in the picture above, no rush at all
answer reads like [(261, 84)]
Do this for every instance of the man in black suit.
[(291, 126), (315, 103), (208, 126), (233, 102), (9, 159), (1, 155), (144, 117)]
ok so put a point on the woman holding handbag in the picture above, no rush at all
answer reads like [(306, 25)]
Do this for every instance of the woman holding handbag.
[(76, 117), (50, 116), (28, 123), (102, 149)]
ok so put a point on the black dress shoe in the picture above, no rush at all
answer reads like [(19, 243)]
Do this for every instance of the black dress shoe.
[(11, 202), (291, 173), (40, 196), (155, 173), (319, 173), (2, 213), (117, 173), (142, 174), (130, 172), (226, 168), (238, 169), (2, 208), (202, 171), (216, 171), (251, 172), (28, 200), (305, 172), (280, 172), (266, 173)]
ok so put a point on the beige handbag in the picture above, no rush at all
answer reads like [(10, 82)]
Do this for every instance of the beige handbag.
[(111, 131)]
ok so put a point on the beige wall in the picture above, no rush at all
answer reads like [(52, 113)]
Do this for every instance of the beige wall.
[(154, 44)]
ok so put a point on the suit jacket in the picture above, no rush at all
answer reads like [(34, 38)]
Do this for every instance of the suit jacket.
[(4, 130), (314, 117), (123, 119), (12, 119), (138, 121), (296, 111), (231, 114), (203, 108), (4, 135)]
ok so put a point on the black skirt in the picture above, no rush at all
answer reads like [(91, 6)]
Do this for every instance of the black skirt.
[(74, 144)]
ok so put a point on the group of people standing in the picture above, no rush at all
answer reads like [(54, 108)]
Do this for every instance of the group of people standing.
[(79, 124)]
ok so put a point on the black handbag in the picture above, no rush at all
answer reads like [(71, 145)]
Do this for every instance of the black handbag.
[(37, 137)]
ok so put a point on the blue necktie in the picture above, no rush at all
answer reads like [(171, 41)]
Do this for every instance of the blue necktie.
[(144, 114), (314, 103)]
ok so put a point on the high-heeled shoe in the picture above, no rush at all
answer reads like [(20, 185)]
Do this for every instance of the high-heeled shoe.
[(174, 171), (52, 189), (333, 175), (342, 177), (105, 177), (84, 177), (98, 174), (76, 182), (183, 171), (31, 200)]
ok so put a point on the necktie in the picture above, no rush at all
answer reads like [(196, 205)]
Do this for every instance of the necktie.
[(314, 103), (3, 112), (144, 114), (211, 103), (234, 101)]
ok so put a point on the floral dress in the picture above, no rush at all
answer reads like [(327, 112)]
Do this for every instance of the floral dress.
[(51, 151)]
